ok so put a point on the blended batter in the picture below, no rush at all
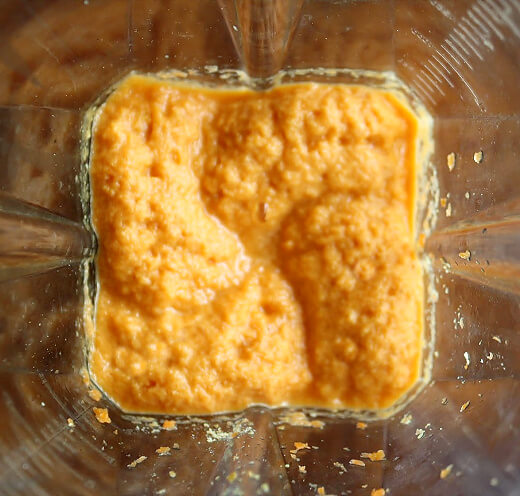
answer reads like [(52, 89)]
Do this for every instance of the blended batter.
[(255, 247)]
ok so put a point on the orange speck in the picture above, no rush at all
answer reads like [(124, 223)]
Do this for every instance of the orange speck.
[(102, 415), (375, 456), (95, 394), (299, 446), (446, 471), (85, 376), (137, 461), (450, 161), (465, 255), (232, 477), (163, 450), (169, 425)]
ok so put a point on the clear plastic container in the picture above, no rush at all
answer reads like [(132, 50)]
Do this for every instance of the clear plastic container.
[(461, 59)]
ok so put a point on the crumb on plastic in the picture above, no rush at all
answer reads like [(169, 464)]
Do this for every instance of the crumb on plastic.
[(448, 210), (446, 471), (374, 456), (464, 406), (172, 474), (176, 446), (102, 415), (340, 466), (70, 422), (321, 491), (85, 376), (444, 401), (406, 419), (478, 156), (497, 339), (95, 394), (357, 463), (361, 425), (299, 446), (378, 492), (163, 450), (137, 461), (419, 433), (465, 255), (169, 425), (450, 161), (299, 419), (302, 469), (232, 477), (468, 361)]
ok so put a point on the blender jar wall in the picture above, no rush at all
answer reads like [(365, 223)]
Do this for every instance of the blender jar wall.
[(463, 61)]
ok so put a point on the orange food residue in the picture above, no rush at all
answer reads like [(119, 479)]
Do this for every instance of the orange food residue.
[(260, 242), (95, 394), (375, 456), (102, 415), (163, 450), (169, 425)]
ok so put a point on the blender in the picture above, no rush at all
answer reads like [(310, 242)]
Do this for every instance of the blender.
[(459, 433)]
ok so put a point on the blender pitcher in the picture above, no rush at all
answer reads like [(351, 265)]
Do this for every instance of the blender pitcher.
[(460, 432)]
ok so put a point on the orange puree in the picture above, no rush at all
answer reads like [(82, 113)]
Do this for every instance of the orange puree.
[(255, 247)]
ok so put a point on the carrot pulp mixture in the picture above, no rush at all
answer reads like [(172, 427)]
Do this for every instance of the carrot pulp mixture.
[(255, 247)]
